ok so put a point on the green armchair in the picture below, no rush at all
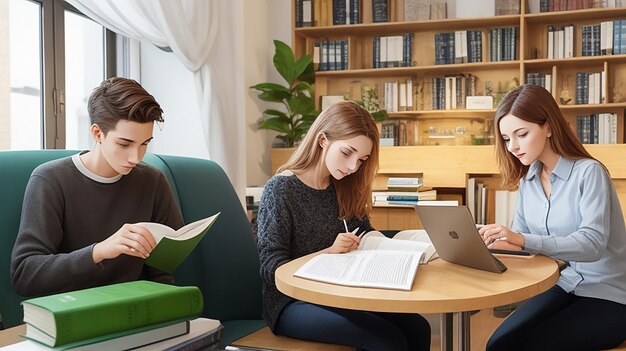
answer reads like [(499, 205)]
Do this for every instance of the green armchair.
[(225, 266)]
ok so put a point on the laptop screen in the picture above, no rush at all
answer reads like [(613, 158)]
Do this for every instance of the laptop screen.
[(455, 237)]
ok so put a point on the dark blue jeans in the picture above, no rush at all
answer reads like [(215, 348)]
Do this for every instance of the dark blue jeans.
[(367, 331), (556, 320)]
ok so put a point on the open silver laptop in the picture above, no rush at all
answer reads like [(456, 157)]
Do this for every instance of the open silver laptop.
[(453, 232)]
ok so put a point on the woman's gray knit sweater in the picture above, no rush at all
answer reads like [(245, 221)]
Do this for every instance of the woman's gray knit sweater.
[(294, 220)]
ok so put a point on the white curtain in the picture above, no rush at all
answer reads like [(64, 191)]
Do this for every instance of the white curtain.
[(189, 28)]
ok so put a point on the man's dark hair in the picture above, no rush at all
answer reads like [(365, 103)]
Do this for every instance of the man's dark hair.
[(121, 98)]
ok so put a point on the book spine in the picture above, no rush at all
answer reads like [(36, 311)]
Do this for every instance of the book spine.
[(127, 313), (402, 198)]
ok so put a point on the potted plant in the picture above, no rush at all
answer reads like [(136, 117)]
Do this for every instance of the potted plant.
[(297, 97)]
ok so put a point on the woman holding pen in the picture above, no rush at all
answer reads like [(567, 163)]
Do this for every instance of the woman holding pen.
[(318, 202), (567, 209)]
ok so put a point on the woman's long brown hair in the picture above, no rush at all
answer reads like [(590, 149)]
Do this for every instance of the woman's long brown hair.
[(534, 104), (341, 121)]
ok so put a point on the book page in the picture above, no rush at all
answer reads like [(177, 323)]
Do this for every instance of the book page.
[(159, 231), (364, 268)]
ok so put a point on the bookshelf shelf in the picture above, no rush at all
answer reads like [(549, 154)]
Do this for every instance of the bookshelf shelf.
[(423, 70), (443, 114), (364, 29), (573, 62), (573, 15)]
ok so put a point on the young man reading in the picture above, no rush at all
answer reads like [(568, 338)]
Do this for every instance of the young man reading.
[(76, 227)]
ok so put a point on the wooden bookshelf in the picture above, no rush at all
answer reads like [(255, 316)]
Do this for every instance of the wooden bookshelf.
[(447, 158)]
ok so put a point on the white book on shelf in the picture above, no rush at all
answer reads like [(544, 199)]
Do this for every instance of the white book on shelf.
[(506, 203)]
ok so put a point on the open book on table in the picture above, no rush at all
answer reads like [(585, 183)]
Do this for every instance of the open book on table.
[(379, 262), (173, 246)]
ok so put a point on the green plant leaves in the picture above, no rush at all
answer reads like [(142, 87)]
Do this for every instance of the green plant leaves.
[(286, 64), (272, 92), (298, 98)]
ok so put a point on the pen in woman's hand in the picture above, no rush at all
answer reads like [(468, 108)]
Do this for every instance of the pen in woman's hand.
[(345, 224)]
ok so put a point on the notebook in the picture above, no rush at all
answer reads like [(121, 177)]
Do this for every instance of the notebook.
[(455, 237)]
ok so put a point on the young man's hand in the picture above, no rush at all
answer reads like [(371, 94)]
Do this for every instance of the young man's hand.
[(131, 239)]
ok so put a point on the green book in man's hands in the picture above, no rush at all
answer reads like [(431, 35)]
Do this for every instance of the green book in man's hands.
[(173, 246), (82, 314)]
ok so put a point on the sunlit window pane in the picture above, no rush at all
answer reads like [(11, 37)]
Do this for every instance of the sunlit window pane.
[(20, 105), (84, 70)]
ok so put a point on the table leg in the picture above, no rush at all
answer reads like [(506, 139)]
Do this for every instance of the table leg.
[(446, 331), (463, 331)]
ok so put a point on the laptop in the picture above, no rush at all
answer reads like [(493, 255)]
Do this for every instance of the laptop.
[(455, 237)]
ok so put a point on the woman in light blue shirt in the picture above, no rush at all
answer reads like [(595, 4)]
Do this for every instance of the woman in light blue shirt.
[(567, 209)]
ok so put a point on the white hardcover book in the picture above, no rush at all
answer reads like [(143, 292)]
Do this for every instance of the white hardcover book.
[(464, 46), (560, 40), (569, 41), (402, 91), (506, 201), (383, 52), (603, 87), (394, 91), (551, 44), (613, 122), (409, 95), (453, 93), (458, 50)]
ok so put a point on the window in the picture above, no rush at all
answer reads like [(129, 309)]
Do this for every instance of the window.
[(55, 56)]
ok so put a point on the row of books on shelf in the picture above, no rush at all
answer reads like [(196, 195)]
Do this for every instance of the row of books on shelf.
[(332, 55), (460, 46), (542, 79), (605, 38), (450, 93), (568, 5), (599, 128), (398, 95), (346, 12), (393, 51), (398, 133), (590, 87), (466, 46), (120, 317)]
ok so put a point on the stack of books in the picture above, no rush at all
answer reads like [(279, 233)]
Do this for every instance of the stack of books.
[(115, 317), (404, 191)]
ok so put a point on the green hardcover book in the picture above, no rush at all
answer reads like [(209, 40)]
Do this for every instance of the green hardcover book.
[(83, 314), (173, 246)]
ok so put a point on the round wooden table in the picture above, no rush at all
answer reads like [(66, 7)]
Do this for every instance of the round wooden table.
[(439, 287)]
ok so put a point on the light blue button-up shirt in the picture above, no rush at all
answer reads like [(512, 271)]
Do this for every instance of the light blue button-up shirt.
[(581, 222)]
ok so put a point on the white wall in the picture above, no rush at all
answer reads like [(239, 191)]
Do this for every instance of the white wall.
[(264, 22), (172, 85)]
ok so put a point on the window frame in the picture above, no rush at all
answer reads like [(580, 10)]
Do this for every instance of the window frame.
[(52, 54)]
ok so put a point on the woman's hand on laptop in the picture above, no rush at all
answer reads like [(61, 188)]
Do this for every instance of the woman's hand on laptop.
[(500, 237)]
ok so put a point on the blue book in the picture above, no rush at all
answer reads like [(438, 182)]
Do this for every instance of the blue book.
[(411, 198)]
